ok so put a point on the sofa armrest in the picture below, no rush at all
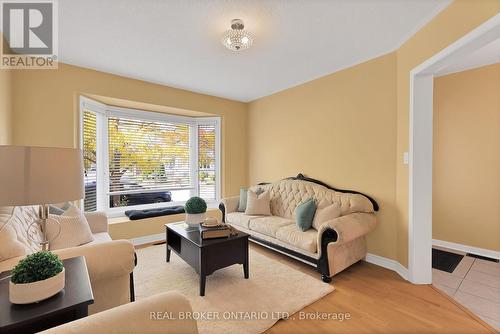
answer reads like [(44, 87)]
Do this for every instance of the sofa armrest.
[(98, 221), (231, 204), (104, 260), (161, 313), (9, 264), (348, 227)]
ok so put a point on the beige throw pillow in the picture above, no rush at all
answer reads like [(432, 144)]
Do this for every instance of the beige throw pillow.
[(325, 214), (258, 204), (75, 230), (9, 245)]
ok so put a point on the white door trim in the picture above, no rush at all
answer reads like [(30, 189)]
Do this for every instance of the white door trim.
[(420, 149)]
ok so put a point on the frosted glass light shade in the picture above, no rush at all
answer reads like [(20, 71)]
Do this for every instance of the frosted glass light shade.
[(237, 38)]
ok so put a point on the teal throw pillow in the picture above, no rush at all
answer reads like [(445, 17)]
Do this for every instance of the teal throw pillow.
[(243, 200), (304, 214)]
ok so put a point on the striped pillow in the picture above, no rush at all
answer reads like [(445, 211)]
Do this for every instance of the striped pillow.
[(75, 230)]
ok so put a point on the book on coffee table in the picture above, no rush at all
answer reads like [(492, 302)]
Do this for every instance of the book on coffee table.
[(214, 232)]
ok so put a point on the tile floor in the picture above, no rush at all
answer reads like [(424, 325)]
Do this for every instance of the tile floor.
[(475, 283)]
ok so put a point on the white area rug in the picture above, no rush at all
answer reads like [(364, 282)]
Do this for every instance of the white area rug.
[(272, 290)]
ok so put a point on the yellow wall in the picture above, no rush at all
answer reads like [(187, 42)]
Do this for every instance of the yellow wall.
[(455, 21), (46, 114), (46, 111), (351, 118), (340, 129), (466, 158), (363, 120), (5, 107)]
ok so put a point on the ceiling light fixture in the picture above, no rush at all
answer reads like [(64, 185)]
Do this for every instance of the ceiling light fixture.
[(237, 38)]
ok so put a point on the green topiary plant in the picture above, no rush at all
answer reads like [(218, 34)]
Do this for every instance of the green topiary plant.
[(195, 205), (36, 267)]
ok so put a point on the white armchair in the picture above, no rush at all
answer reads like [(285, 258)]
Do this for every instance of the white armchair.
[(144, 316), (98, 222), (110, 262)]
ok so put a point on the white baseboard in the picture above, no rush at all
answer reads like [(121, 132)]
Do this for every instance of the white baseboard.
[(388, 264), (467, 249), (148, 239)]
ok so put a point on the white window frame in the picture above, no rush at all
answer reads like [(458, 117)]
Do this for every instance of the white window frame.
[(103, 111)]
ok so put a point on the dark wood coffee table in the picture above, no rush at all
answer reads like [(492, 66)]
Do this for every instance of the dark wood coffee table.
[(209, 255), (69, 304)]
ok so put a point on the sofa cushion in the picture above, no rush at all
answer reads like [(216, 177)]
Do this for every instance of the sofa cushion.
[(9, 245), (20, 218), (324, 214), (73, 229), (55, 210), (242, 205), (304, 214), (292, 235), (100, 237), (239, 219), (269, 225), (258, 204), (156, 212)]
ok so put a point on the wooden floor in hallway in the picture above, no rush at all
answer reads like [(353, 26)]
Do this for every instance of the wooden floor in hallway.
[(378, 301)]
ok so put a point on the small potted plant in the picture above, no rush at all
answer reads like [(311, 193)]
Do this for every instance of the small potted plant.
[(35, 278), (196, 209)]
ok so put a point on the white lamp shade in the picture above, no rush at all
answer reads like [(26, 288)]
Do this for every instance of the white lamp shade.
[(40, 175)]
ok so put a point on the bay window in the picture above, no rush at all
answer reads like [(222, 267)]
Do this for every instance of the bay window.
[(136, 159)]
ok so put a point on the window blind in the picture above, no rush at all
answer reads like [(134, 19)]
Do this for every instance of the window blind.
[(145, 156), (206, 162), (90, 160)]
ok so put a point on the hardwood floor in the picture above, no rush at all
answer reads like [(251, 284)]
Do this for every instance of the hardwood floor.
[(378, 301)]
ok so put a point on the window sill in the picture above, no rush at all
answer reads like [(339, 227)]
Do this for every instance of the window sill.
[(124, 228), (211, 209), (118, 220), (119, 212)]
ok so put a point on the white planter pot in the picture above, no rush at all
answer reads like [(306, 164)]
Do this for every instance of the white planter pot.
[(195, 219), (34, 292)]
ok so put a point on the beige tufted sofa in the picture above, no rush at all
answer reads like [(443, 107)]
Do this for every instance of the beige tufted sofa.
[(110, 263), (337, 244)]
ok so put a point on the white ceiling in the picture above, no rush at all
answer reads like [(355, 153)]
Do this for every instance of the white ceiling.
[(487, 55), (177, 42)]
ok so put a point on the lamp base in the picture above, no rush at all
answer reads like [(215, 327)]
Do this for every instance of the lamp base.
[(43, 216)]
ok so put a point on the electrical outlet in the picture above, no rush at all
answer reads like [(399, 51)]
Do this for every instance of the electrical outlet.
[(406, 158)]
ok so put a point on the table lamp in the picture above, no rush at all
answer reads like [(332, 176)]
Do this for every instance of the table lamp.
[(31, 175)]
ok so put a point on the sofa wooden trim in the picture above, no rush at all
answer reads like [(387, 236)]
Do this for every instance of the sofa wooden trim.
[(132, 286), (321, 264), (301, 177)]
